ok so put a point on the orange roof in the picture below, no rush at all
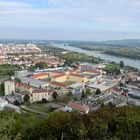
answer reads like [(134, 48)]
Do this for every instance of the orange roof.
[(76, 106), (39, 74), (58, 84), (23, 85), (60, 75), (113, 90), (92, 71)]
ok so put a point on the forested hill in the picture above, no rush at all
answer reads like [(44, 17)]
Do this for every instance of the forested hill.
[(111, 43), (107, 124)]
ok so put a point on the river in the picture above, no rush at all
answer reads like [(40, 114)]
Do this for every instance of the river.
[(117, 59)]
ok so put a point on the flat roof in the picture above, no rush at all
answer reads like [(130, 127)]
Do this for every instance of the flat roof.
[(34, 81), (103, 86), (75, 85)]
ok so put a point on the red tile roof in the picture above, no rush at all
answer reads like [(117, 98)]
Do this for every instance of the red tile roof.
[(79, 107), (92, 71), (60, 75), (39, 74), (58, 84), (23, 85)]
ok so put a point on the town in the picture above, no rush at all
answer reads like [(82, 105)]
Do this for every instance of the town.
[(43, 81)]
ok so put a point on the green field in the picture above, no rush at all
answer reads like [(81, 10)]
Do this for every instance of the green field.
[(7, 69)]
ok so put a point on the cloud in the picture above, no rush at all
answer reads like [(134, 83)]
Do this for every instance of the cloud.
[(71, 15)]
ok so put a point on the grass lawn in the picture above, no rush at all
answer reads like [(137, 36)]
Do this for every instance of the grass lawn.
[(39, 107), (7, 69), (111, 66)]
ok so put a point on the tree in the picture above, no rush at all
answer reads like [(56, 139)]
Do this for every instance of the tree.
[(26, 98), (16, 102), (121, 64), (70, 94), (41, 65), (55, 95), (88, 91), (111, 105), (18, 80), (83, 95), (2, 90), (44, 100), (98, 91), (7, 129)]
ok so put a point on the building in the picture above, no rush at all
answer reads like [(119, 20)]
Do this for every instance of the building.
[(23, 87), (59, 78), (38, 95), (77, 78), (16, 97), (76, 88), (34, 82), (3, 103), (42, 75), (9, 87), (23, 73), (104, 86), (75, 106), (12, 108)]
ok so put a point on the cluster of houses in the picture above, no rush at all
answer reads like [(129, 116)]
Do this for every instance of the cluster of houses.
[(9, 54)]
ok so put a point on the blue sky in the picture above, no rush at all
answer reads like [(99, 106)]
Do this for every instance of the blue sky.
[(92, 20)]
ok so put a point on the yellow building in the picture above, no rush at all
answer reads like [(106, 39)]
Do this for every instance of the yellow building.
[(77, 78), (59, 78)]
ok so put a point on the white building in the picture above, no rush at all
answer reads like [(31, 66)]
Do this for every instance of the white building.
[(34, 82), (13, 108), (23, 73), (3, 103), (9, 87)]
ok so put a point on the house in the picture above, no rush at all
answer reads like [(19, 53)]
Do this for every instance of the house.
[(38, 95), (78, 107), (3, 103), (9, 87)]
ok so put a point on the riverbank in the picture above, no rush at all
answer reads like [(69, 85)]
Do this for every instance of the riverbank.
[(99, 54)]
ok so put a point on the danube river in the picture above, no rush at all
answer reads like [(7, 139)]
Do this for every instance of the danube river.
[(117, 59)]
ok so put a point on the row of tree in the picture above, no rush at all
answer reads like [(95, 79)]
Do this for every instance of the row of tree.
[(107, 124)]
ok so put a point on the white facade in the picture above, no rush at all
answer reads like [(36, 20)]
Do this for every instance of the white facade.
[(9, 87), (3, 103), (38, 96)]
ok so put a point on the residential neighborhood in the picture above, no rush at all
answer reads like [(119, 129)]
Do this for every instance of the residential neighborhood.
[(83, 88)]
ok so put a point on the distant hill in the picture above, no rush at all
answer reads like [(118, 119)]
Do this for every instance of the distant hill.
[(110, 43)]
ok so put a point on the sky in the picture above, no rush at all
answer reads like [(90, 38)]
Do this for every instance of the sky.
[(91, 20)]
